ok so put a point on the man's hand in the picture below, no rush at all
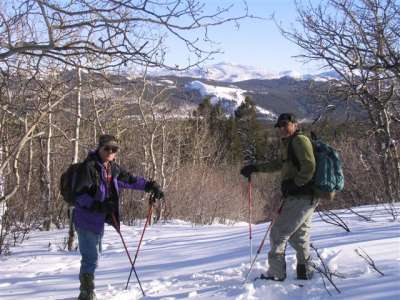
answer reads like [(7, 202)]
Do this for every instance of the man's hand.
[(154, 187), (246, 171), (289, 187)]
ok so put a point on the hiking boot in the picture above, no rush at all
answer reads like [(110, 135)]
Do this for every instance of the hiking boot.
[(87, 287), (87, 295), (273, 278), (304, 273)]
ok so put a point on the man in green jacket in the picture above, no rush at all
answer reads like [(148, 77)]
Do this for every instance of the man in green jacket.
[(293, 223)]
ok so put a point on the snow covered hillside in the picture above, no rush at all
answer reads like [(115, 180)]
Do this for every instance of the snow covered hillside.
[(230, 97), (180, 261)]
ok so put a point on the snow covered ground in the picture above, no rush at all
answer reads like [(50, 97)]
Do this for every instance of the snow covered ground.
[(181, 261)]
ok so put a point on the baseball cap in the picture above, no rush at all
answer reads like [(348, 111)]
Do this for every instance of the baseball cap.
[(108, 140), (288, 117)]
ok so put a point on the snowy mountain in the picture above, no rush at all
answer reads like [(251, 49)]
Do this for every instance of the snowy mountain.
[(230, 97), (273, 93), (228, 72), (183, 94), (182, 261), (271, 96)]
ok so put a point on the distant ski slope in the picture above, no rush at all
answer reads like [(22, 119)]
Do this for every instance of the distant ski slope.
[(230, 97)]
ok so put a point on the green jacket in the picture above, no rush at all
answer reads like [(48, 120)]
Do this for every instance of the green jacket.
[(303, 150)]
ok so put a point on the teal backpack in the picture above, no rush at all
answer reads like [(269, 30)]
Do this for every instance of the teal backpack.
[(328, 177)]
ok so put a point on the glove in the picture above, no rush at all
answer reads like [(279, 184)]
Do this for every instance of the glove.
[(247, 170), (288, 187), (153, 187)]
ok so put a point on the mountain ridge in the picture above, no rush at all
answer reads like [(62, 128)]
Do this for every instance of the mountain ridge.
[(229, 72)]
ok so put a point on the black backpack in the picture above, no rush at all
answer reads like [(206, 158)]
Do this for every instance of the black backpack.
[(68, 182)]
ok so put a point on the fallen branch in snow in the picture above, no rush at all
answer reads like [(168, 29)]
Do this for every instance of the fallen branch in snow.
[(332, 218), (325, 272), (365, 218), (368, 259), (391, 209)]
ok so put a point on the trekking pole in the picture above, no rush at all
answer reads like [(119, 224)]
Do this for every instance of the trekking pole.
[(261, 245), (150, 212), (127, 252), (258, 251), (250, 212)]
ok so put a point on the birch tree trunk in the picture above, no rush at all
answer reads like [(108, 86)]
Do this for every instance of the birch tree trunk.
[(47, 178), (30, 166), (71, 212), (78, 116), (3, 206), (160, 212), (11, 152)]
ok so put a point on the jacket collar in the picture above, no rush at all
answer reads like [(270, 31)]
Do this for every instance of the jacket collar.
[(287, 139)]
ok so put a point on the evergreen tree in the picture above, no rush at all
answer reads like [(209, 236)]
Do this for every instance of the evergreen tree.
[(242, 135), (234, 148), (217, 119), (205, 107), (251, 132)]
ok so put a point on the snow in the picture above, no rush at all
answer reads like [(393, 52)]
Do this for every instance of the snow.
[(269, 114), (169, 82), (230, 97), (182, 261), (230, 72)]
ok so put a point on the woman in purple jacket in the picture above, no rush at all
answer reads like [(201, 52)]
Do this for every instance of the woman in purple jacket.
[(98, 187)]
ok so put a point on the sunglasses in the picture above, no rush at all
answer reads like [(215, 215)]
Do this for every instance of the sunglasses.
[(110, 149)]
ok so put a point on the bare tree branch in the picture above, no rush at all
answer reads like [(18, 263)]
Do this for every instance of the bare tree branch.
[(360, 252), (103, 34), (325, 272)]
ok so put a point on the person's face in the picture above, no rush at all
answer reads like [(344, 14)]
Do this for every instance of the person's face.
[(108, 153), (287, 128)]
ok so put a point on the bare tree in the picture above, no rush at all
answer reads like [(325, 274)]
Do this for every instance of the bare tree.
[(47, 178), (151, 101), (71, 231), (359, 40), (12, 155), (40, 38), (3, 206), (104, 34), (78, 115)]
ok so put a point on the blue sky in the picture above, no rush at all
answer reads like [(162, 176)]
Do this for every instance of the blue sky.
[(256, 42)]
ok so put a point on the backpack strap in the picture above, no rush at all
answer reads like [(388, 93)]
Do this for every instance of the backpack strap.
[(313, 135), (307, 188), (291, 154)]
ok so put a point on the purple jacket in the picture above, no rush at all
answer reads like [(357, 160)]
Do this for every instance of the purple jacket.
[(92, 187)]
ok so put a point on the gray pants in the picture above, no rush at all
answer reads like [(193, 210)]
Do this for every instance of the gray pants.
[(292, 225)]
